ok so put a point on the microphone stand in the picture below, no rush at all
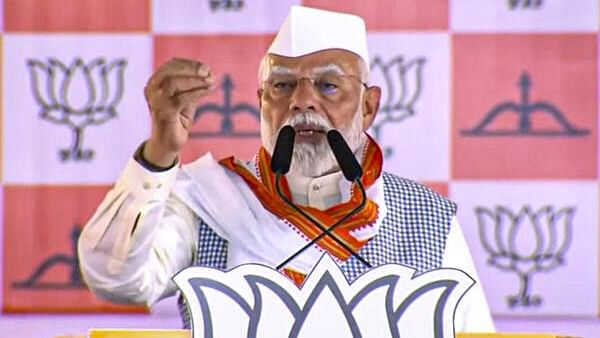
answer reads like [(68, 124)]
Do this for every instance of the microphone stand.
[(324, 231)]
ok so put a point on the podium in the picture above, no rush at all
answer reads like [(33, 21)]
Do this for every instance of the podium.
[(388, 300), (130, 333)]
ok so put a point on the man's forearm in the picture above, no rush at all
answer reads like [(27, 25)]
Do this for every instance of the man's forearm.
[(128, 248)]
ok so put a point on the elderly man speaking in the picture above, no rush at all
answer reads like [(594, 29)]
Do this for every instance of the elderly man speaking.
[(161, 217)]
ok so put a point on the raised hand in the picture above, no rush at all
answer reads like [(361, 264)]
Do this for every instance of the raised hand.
[(172, 94)]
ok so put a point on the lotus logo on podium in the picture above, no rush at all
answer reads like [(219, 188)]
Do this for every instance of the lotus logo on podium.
[(526, 242), (402, 81), (387, 301), (77, 96)]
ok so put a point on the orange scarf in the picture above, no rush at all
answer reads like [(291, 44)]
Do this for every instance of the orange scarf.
[(264, 189)]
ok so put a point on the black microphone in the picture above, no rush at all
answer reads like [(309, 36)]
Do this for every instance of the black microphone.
[(344, 156), (352, 172), (284, 148)]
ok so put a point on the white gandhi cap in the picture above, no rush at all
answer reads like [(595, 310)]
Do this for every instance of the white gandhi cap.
[(307, 30)]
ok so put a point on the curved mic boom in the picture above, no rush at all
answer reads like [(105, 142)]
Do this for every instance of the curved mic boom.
[(352, 172)]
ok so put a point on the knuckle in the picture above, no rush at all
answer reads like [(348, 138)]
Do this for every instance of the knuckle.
[(167, 81), (168, 85), (203, 70)]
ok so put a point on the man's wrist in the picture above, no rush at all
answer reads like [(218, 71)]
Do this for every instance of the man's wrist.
[(138, 156)]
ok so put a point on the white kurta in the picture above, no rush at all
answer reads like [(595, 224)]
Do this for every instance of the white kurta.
[(146, 230)]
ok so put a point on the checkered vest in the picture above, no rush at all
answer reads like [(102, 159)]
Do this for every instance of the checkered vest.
[(412, 233)]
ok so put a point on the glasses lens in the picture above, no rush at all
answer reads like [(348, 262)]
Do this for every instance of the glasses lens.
[(328, 85), (282, 86)]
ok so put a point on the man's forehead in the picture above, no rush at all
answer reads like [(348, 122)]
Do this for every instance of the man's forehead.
[(333, 60)]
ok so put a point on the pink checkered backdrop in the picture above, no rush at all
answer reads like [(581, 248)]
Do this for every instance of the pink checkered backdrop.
[(494, 103)]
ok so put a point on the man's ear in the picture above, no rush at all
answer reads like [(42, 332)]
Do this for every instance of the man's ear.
[(370, 103), (259, 93)]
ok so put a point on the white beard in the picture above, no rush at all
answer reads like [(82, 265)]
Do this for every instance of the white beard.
[(314, 160)]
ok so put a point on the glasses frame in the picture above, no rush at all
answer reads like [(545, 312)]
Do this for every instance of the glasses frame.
[(268, 84)]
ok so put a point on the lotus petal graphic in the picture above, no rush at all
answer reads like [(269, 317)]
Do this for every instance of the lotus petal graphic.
[(256, 301), (402, 82), (525, 242), (78, 95)]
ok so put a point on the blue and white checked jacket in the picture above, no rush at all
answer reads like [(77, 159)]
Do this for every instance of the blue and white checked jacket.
[(412, 233)]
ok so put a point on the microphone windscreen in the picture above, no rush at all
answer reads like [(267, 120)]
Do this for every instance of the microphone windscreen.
[(344, 156), (284, 148)]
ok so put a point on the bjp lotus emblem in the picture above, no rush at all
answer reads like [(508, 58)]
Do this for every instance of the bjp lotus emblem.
[(253, 300), (525, 242), (77, 96), (401, 81)]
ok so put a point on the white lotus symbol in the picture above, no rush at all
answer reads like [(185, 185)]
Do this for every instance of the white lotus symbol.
[(388, 301)]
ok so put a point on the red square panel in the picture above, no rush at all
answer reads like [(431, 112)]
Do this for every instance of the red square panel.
[(391, 14), (227, 120), (41, 227), (76, 15), (525, 106), (439, 187)]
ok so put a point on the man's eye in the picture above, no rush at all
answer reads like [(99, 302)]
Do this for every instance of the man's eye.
[(283, 85), (327, 87)]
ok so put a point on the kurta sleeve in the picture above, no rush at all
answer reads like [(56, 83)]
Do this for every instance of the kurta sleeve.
[(138, 238)]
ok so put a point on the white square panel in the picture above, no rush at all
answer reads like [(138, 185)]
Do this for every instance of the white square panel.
[(412, 123), (524, 15), (73, 108), (535, 244), (224, 16)]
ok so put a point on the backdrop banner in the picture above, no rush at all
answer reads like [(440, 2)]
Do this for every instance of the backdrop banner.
[(492, 103)]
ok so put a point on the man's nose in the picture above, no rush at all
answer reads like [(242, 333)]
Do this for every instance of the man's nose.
[(304, 97)]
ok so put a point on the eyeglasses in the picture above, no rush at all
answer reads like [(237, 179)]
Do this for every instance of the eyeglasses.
[(328, 85)]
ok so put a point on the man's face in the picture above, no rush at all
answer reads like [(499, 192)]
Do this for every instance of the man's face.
[(314, 93)]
